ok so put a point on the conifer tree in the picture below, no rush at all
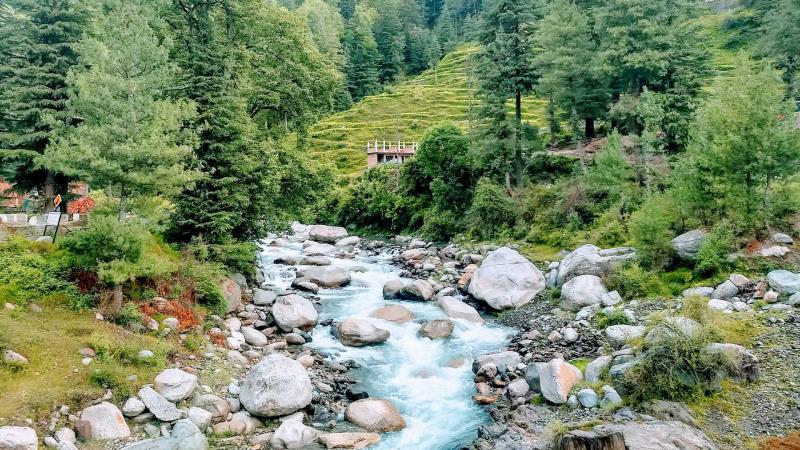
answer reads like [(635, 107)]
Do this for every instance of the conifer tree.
[(362, 54), (781, 41)]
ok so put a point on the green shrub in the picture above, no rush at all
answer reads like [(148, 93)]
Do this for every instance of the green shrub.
[(441, 226), (104, 378), (632, 281), (33, 271), (235, 256), (713, 253), (492, 210), (650, 229), (104, 240), (615, 317), (677, 280), (127, 315)]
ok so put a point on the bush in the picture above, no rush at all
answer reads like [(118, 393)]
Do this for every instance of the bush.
[(615, 317), (440, 225), (104, 241), (650, 228), (33, 271), (713, 253), (127, 315), (632, 281), (492, 210)]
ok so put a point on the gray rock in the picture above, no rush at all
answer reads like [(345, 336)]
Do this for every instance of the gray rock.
[(163, 409), (392, 287), (357, 332), (18, 438), (232, 293), (720, 305), (595, 368), (557, 378), (739, 364), (315, 261), (610, 397), (348, 241), (175, 384), (65, 434), (293, 434), (456, 309), (436, 329), (619, 335), (160, 443), (725, 291), (254, 337), (102, 422), (618, 371), (698, 292), (581, 291), (327, 277), (688, 244), (133, 407), (612, 298), (320, 249), (240, 280), (793, 300), (393, 313), (188, 436), (418, 290), (591, 260), (506, 279), (661, 435), (782, 238), (293, 311), (673, 327), (588, 398), (200, 417), (326, 234), (375, 415), (504, 361), (570, 335), (65, 445), (14, 358), (784, 282), (264, 298), (218, 407), (276, 386), (666, 410), (532, 376), (518, 388)]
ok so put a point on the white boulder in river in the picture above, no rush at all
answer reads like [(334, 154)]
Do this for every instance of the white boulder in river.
[(374, 414), (18, 438), (326, 234), (456, 309), (506, 279), (293, 311), (326, 276), (276, 386), (359, 332)]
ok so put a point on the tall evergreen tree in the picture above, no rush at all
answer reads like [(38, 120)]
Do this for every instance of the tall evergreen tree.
[(781, 41), (391, 41), (362, 54), (37, 39), (508, 68)]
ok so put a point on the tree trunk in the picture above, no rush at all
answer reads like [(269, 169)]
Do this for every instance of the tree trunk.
[(551, 115), (518, 165), (49, 190), (123, 203), (589, 128), (116, 300), (508, 182)]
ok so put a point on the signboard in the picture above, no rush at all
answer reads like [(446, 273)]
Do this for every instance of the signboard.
[(53, 218), (57, 201)]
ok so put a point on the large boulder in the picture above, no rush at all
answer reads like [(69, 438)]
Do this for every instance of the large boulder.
[(326, 234), (18, 438), (581, 291), (315, 261), (418, 290), (738, 363), (101, 422), (254, 337), (163, 409), (557, 378), (349, 440), (328, 276), (596, 368), (188, 436), (456, 309), (591, 260), (504, 361), (619, 335), (660, 435), (293, 434), (175, 384), (392, 287), (359, 332), (688, 244), (320, 249), (293, 311), (673, 328), (232, 293), (784, 282), (375, 415), (394, 313), (506, 279), (276, 386), (436, 329)]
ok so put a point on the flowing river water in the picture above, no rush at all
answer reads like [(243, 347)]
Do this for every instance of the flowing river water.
[(430, 381)]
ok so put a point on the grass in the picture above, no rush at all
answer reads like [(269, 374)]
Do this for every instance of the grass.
[(55, 375), (405, 110)]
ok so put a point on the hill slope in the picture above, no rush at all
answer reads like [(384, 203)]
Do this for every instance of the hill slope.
[(404, 111)]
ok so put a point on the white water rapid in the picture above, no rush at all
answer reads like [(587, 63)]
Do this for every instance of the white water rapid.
[(430, 382)]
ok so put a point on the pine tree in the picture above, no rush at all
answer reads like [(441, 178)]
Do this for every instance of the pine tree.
[(362, 54), (781, 41), (508, 68), (390, 39), (37, 39), (128, 136)]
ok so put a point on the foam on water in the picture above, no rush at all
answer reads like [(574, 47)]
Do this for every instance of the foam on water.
[(429, 381)]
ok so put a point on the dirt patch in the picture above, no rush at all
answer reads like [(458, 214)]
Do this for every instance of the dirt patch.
[(187, 317)]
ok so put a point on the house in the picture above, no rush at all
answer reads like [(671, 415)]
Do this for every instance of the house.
[(382, 152)]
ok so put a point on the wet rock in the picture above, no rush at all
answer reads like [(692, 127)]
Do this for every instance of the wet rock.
[(326, 234), (394, 313), (314, 261), (456, 309), (506, 279), (688, 244), (102, 422), (557, 378), (163, 409), (375, 415), (349, 440), (436, 329), (276, 386), (18, 438), (591, 260), (175, 384), (418, 290), (359, 332), (327, 277), (293, 311), (582, 291), (391, 288)]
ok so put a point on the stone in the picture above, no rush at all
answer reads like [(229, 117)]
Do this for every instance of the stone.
[(254, 337), (232, 293), (276, 386), (619, 335), (233, 324), (263, 298), (771, 297), (326, 277), (163, 409), (720, 305), (591, 260), (326, 234), (315, 261), (725, 291), (392, 287), (666, 410), (672, 327), (133, 407), (159, 443), (456, 309), (782, 238), (436, 329), (793, 300), (688, 244), (320, 249), (738, 280), (556, 379), (13, 358), (774, 251), (595, 368), (739, 364), (103, 421), (349, 440), (200, 417), (394, 313), (610, 397), (293, 311), (581, 291), (703, 291), (65, 434), (188, 435), (349, 241), (660, 435), (293, 434), (171, 322), (506, 279), (375, 415), (589, 440), (784, 282), (611, 299), (518, 388), (504, 361), (587, 398), (175, 384), (18, 438), (357, 332), (618, 371), (417, 290)]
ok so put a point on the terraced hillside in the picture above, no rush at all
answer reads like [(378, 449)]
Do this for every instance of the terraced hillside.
[(404, 111)]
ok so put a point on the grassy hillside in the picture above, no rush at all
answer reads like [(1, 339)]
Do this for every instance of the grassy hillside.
[(404, 111)]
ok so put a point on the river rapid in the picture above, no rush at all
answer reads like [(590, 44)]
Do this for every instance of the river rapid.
[(430, 381)]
